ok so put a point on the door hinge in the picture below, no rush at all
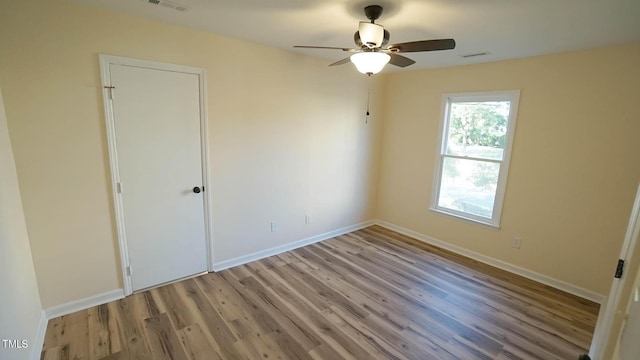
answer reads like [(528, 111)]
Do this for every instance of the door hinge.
[(128, 270), (119, 187), (619, 269), (110, 88)]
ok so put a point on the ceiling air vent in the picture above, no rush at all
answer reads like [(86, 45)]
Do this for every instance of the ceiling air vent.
[(483, 53), (169, 5)]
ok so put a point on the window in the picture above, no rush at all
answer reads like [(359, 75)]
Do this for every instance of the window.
[(473, 155)]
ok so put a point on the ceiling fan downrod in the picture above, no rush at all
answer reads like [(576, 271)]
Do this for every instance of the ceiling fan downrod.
[(373, 12)]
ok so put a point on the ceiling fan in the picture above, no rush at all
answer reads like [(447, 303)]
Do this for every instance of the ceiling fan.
[(371, 38)]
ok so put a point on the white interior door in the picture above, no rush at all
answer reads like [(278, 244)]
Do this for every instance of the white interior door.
[(156, 117), (613, 309), (629, 344)]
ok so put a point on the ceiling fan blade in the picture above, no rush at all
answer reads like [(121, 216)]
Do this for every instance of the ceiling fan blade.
[(326, 47), (423, 45), (340, 62), (399, 60)]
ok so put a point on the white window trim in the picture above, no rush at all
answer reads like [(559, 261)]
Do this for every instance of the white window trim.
[(511, 95)]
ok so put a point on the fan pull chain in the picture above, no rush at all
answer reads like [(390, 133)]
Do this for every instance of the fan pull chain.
[(366, 118)]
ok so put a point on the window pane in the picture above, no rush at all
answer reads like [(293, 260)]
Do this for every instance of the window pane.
[(469, 186), (478, 129)]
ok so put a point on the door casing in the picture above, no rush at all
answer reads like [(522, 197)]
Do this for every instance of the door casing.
[(105, 62)]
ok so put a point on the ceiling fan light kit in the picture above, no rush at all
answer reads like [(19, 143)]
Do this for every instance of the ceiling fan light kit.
[(370, 62), (371, 34), (372, 55)]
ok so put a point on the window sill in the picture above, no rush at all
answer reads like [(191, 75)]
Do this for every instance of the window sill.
[(466, 218)]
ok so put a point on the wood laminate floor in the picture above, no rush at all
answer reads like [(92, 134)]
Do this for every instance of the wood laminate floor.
[(370, 294)]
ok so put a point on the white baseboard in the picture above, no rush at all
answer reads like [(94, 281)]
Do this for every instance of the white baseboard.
[(290, 246), (82, 304), (38, 341), (555, 283)]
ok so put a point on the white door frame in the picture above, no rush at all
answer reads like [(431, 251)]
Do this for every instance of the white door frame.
[(105, 62), (607, 315)]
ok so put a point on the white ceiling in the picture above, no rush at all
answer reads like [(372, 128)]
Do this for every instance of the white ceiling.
[(506, 29)]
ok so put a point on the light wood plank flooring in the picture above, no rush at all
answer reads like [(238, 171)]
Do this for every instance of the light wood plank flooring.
[(370, 294)]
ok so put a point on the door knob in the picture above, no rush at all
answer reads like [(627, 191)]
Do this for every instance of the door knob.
[(196, 189)]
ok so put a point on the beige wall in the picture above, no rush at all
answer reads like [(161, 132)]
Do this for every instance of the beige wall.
[(20, 308), (287, 137), (575, 161)]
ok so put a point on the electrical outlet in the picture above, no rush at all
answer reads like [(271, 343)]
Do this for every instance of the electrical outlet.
[(307, 219), (516, 242), (274, 226)]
